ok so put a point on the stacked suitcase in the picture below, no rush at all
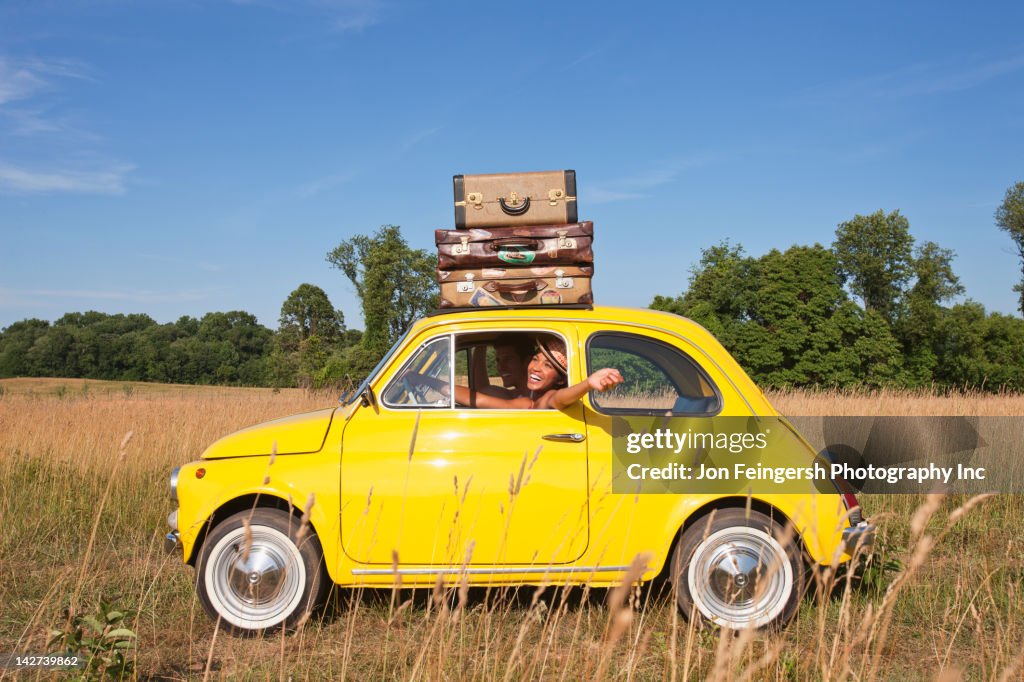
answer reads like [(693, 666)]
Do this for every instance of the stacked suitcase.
[(517, 242)]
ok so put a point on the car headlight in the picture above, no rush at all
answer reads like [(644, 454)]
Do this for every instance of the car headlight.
[(174, 484)]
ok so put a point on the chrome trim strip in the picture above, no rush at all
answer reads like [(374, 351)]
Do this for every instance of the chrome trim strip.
[(174, 484), (476, 570), (451, 362), (451, 373), (632, 324)]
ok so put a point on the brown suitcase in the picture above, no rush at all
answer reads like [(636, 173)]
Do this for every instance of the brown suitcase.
[(515, 286), (518, 246), (505, 199)]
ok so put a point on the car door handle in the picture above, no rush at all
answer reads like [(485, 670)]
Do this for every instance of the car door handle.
[(569, 437)]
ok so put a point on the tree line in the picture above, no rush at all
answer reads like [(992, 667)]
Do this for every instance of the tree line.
[(873, 309), (311, 346)]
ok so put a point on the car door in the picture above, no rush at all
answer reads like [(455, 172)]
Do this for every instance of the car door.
[(427, 482), (666, 388)]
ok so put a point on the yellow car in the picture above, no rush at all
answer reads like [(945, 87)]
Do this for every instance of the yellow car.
[(418, 476)]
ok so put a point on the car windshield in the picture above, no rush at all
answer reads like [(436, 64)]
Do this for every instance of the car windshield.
[(348, 398)]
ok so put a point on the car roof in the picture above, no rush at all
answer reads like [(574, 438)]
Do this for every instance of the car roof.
[(608, 314)]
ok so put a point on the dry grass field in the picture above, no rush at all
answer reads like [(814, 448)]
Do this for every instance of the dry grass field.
[(82, 520)]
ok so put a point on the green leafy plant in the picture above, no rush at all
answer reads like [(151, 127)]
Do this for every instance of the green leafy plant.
[(101, 639), (875, 573)]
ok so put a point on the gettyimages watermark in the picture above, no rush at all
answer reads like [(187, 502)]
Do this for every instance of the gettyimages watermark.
[(724, 455)]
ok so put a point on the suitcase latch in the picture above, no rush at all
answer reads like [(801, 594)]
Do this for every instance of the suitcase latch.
[(461, 248), (562, 282), (554, 195), (475, 199), (565, 242), (465, 287), (513, 199)]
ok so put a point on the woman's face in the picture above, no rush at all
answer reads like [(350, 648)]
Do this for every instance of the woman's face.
[(541, 373)]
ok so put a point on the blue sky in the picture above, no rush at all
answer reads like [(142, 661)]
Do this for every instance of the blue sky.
[(180, 157)]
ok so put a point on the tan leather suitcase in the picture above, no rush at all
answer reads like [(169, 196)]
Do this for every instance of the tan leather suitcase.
[(505, 199), (515, 286), (517, 246)]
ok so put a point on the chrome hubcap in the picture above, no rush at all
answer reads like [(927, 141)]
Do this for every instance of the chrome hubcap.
[(259, 579), (740, 577), (259, 589)]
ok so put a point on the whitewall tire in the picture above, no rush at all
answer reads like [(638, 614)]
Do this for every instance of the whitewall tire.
[(275, 580)]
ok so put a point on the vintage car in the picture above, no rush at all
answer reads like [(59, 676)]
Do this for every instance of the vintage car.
[(401, 480)]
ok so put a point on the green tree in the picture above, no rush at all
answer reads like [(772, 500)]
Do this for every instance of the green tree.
[(975, 350), (395, 283), (308, 312), (875, 257), (786, 318), (1010, 217), (922, 311), (15, 343)]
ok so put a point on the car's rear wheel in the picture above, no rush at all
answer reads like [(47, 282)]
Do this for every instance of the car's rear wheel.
[(737, 569), (263, 580)]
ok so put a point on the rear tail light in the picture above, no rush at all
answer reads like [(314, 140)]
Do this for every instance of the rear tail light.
[(849, 499)]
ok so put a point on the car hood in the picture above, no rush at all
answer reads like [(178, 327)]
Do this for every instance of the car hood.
[(293, 435)]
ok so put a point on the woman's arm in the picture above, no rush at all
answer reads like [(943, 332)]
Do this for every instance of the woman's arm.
[(601, 380), (464, 396)]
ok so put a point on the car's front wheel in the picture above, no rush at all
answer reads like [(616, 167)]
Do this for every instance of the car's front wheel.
[(737, 569), (261, 580)]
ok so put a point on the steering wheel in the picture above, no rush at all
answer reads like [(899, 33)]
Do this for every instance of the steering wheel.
[(417, 391)]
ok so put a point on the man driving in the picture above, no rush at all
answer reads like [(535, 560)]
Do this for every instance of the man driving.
[(512, 353)]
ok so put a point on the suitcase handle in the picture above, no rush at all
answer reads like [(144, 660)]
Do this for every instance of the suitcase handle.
[(506, 242), (514, 210), (518, 292)]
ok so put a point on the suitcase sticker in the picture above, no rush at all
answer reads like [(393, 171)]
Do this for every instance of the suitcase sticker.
[(515, 286), (544, 245)]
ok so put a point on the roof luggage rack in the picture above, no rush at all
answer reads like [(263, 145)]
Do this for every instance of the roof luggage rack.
[(539, 306)]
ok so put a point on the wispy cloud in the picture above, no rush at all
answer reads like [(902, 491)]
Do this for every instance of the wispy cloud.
[(417, 136), (21, 79), (21, 296), (924, 78), (639, 185), (32, 121), (17, 83), (97, 180), (27, 111), (314, 187)]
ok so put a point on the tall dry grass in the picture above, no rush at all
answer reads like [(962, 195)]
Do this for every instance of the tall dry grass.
[(82, 519)]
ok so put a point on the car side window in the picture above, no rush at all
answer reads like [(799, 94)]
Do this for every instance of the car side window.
[(659, 379), (425, 380), (495, 364)]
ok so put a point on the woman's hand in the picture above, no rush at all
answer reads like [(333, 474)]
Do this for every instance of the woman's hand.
[(604, 379)]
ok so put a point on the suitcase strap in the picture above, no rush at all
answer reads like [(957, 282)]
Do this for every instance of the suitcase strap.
[(519, 292), (520, 288)]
